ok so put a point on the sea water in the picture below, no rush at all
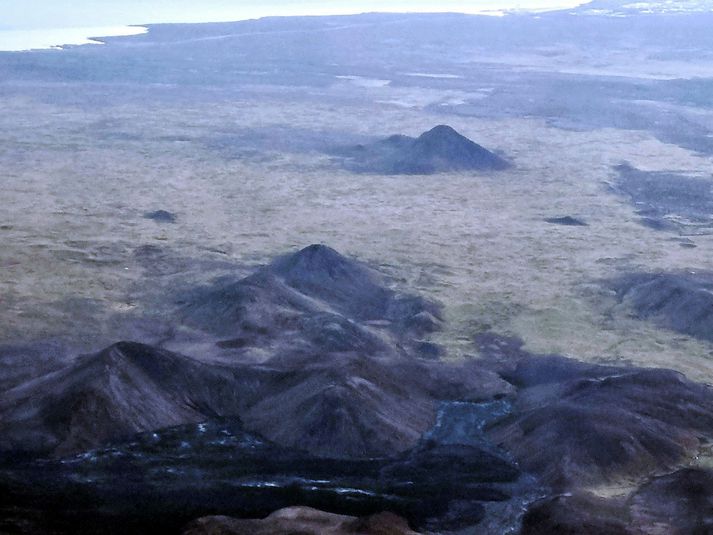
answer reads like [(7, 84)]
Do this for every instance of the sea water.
[(41, 24), (18, 40)]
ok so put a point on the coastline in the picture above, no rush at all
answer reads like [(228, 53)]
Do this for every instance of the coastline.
[(25, 40), (58, 38)]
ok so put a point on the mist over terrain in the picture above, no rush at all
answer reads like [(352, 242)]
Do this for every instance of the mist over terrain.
[(426, 273)]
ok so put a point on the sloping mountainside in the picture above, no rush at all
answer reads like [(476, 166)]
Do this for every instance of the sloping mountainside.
[(675, 503), (341, 415), (341, 379), (336, 405), (682, 301), (600, 423), (312, 301), (120, 391), (579, 424), (439, 150)]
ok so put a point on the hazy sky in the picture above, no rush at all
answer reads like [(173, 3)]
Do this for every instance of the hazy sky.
[(30, 14)]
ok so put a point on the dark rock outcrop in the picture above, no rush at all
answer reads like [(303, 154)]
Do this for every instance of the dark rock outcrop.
[(303, 520), (667, 201), (682, 302), (161, 216), (567, 221), (439, 150)]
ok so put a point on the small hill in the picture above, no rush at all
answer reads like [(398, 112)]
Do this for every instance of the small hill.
[(313, 300), (161, 216), (673, 503), (682, 302), (439, 150), (575, 423), (567, 221)]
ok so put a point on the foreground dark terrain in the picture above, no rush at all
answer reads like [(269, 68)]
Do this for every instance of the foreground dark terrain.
[(503, 324), (343, 414)]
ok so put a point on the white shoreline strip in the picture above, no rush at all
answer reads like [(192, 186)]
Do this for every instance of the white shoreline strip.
[(26, 40)]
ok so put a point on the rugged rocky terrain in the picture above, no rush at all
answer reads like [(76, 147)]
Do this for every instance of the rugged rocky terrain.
[(343, 377), (342, 413), (313, 301), (170, 476), (681, 301), (668, 201)]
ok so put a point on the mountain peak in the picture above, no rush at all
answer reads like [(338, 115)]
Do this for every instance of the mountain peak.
[(442, 131), (439, 150), (317, 261)]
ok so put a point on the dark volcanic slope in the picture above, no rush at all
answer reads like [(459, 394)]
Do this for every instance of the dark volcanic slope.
[(682, 302), (340, 405), (336, 405), (577, 424), (312, 301), (159, 481), (125, 389), (576, 514), (567, 221), (341, 377), (680, 503), (439, 150)]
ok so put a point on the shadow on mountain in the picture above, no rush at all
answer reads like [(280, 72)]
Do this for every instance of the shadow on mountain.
[(440, 150), (160, 480), (576, 514)]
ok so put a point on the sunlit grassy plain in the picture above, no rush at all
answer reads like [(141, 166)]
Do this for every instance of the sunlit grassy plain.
[(76, 182)]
